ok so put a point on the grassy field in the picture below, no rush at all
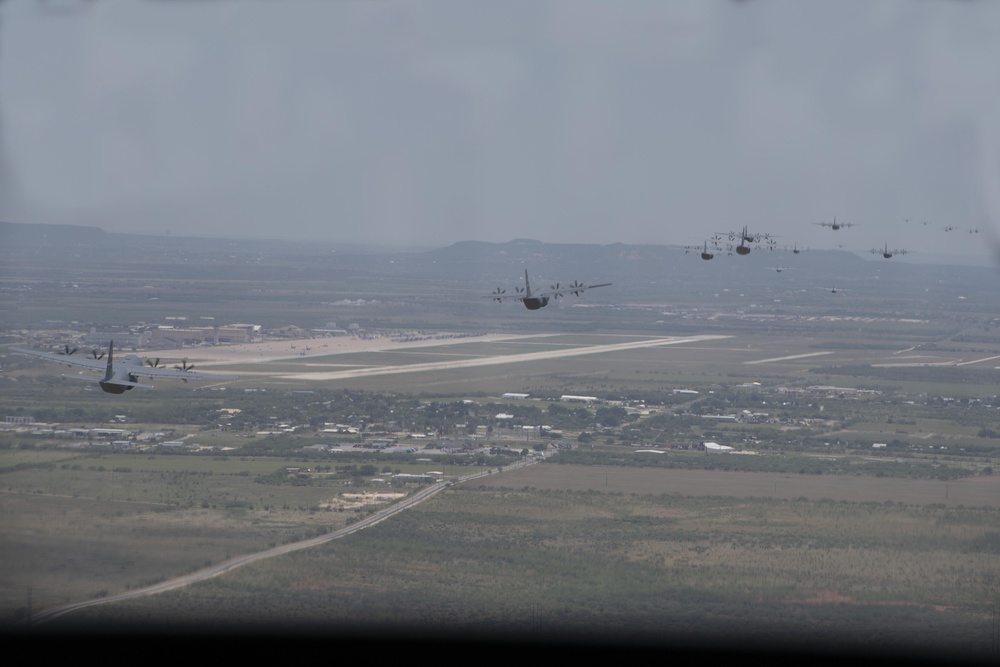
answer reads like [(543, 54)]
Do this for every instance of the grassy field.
[(77, 525), (568, 555), (600, 551), (980, 492), (589, 551)]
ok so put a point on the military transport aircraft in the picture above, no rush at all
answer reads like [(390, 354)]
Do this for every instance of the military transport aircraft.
[(122, 376), (541, 299), (885, 252), (834, 225), (746, 238), (705, 254)]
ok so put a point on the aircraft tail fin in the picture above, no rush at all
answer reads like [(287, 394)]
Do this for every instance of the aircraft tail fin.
[(527, 285), (111, 353)]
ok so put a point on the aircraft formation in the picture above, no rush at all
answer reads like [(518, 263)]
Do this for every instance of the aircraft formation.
[(741, 242), (123, 375), (738, 243)]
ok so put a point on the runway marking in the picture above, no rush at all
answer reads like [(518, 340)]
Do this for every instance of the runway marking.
[(496, 360), (976, 361), (794, 356), (915, 364)]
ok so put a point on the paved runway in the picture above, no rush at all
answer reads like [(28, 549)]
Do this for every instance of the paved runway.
[(496, 360)]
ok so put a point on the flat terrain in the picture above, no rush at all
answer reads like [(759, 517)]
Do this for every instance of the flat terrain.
[(561, 559), (578, 363), (819, 534), (301, 349), (969, 492)]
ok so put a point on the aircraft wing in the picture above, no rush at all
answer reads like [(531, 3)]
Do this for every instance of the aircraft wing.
[(503, 296), (575, 289), (94, 378), (68, 359), (157, 372)]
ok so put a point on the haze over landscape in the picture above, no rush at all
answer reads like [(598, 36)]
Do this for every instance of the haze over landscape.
[(434, 122), (699, 445), (330, 210)]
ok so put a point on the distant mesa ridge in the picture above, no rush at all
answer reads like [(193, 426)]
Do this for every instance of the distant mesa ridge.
[(37, 233), (587, 262)]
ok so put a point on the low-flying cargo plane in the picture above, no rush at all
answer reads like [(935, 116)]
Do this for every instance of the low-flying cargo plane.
[(124, 375), (703, 251), (540, 299), (885, 252), (746, 238), (835, 225)]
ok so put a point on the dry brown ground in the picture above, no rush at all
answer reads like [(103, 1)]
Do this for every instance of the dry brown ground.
[(982, 491), (276, 350)]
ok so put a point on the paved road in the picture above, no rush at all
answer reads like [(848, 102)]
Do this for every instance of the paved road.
[(232, 564)]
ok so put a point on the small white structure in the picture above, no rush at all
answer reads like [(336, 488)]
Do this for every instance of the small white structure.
[(579, 399), (716, 447)]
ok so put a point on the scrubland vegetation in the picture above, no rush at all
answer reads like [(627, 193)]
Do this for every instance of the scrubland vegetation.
[(807, 532), (666, 567)]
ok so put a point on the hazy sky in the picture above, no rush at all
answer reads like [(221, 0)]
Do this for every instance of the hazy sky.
[(428, 122)]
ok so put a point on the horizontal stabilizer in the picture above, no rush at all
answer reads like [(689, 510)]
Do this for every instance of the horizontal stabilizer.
[(118, 383)]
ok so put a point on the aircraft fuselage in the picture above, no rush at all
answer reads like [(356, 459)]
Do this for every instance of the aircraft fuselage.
[(114, 388), (118, 376), (534, 302)]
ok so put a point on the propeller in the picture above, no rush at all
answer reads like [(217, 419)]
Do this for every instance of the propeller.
[(153, 364), (498, 294), (97, 355), (555, 288), (575, 286), (184, 367), (66, 351)]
